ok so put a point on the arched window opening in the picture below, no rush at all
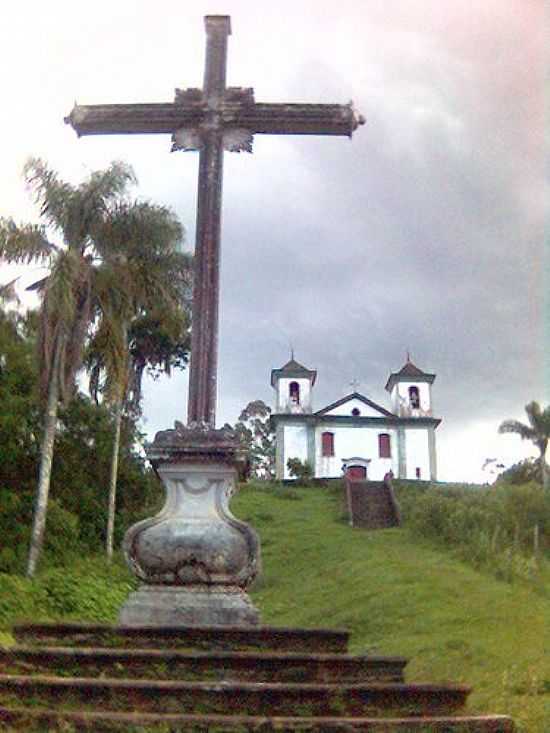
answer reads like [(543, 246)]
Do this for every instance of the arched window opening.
[(418, 473), (356, 412), (384, 445), (414, 398), (294, 392), (327, 444)]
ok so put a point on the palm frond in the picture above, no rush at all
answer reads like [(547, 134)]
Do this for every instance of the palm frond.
[(108, 359), (51, 193), (539, 419), (517, 427), (77, 334), (94, 365), (109, 185), (8, 292), (38, 285), (138, 228), (65, 316), (25, 243), (75, 210)]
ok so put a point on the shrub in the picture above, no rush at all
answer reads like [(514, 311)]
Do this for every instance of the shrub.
[(90, 589), (87, 589), (301, 470), (490, 527), (523, 472), (62, 538)]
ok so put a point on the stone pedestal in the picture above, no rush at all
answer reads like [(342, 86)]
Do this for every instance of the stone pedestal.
[(195, 558)]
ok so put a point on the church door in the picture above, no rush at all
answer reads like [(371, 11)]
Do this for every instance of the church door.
[(357, 473)]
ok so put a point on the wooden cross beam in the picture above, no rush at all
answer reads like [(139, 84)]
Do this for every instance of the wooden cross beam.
[(211, 120)]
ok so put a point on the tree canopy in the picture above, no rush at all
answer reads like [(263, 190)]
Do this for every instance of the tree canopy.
[(113, 260)]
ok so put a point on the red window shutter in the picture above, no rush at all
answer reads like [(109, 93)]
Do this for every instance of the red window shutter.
[(327, 444), (384, 445)]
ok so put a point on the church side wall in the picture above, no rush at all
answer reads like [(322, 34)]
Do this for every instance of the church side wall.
[(418, 453), (296, 444), (354, 441)]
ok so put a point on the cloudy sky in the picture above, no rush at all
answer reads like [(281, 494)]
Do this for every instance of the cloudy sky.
[(423, 233)]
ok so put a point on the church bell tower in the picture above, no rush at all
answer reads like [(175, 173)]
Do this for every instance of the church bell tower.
[(293, 386), (411, 391)]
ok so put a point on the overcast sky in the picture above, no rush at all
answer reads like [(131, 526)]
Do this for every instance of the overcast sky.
[(422, 233)]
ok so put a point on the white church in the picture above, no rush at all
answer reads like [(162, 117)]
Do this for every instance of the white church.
[(354, 434)]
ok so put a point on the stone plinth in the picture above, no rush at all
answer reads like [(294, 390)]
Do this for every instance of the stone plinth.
[(195, 559)]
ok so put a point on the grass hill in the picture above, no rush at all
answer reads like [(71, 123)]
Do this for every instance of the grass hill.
[(402, 596), (398, 594)]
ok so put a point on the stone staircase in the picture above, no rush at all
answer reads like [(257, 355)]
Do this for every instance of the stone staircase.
[(371, 504), (68, 677)]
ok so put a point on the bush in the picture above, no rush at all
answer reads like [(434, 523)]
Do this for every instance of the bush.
[(20, 599), (61, 539), (490, 527), (301, 470), (90, 589), (523, 472), (86, 589)]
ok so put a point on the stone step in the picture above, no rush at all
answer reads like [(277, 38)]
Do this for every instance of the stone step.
[(371, 504), (122, 695), (234, 638), (177, 665), (31, 719)]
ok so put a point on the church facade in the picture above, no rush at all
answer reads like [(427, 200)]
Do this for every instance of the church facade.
[(354, 434)]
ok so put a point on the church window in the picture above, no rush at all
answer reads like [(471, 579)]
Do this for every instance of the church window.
[(327, 444), (414, 398), (418, 473), (294, 392), (384, 445), (356, 412)]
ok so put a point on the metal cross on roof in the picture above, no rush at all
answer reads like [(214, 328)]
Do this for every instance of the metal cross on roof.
[(354, 384), (211, 120)]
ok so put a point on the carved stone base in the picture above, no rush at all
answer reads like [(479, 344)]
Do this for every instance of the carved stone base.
[(188, 606), (194, 558)]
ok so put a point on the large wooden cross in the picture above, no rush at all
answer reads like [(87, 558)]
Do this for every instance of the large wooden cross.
[(211, 120)]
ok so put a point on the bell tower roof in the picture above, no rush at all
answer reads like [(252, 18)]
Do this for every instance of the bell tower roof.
[(409, 373), (293, 369)]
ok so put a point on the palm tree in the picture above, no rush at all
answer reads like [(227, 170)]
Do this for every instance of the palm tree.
[(538, 432), (143, 278), (73, 213)]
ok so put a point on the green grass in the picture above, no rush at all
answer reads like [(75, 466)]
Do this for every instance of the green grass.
[(395, 593), (401, 596)]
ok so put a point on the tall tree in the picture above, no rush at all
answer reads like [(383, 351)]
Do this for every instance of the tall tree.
[(72, 213), (537, 431), (143, 278), (255, 431)]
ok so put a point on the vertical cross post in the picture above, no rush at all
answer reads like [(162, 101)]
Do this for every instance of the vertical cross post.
[(204, 336)]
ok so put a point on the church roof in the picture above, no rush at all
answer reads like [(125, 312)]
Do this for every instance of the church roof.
[(355, 396), (409, 372), (293, 369)]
